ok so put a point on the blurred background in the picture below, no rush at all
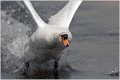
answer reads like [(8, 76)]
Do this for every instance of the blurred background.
[(94, 50)]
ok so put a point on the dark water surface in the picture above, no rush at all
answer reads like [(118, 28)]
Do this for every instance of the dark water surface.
[(94, 50)]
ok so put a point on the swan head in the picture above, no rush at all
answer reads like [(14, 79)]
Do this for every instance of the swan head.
[(55, 36), (65, 38)]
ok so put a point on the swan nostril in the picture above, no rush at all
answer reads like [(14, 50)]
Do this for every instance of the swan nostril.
[(67, 45)]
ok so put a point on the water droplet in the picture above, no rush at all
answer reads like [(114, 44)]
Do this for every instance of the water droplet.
[(26, 16), (9, 22)]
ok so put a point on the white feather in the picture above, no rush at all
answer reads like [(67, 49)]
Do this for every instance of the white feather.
[(35, 15), (65, 15)]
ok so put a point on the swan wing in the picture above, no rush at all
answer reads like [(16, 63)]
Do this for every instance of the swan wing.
[(36, 17), (65, 15)]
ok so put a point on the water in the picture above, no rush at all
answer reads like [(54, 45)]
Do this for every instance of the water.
[(94, 50)]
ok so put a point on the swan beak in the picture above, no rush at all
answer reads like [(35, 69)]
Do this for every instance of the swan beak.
[(66, 42)]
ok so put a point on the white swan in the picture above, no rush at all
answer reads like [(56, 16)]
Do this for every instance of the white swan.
[(49, 40)]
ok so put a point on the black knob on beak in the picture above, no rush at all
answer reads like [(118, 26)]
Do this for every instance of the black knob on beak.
[(65, 36)]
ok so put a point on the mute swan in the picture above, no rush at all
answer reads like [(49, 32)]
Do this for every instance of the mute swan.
[(49, 40)]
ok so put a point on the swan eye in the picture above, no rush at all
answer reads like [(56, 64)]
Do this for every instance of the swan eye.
[(64, 36)]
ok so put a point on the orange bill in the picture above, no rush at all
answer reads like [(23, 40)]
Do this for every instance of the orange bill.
[(66, 42)]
